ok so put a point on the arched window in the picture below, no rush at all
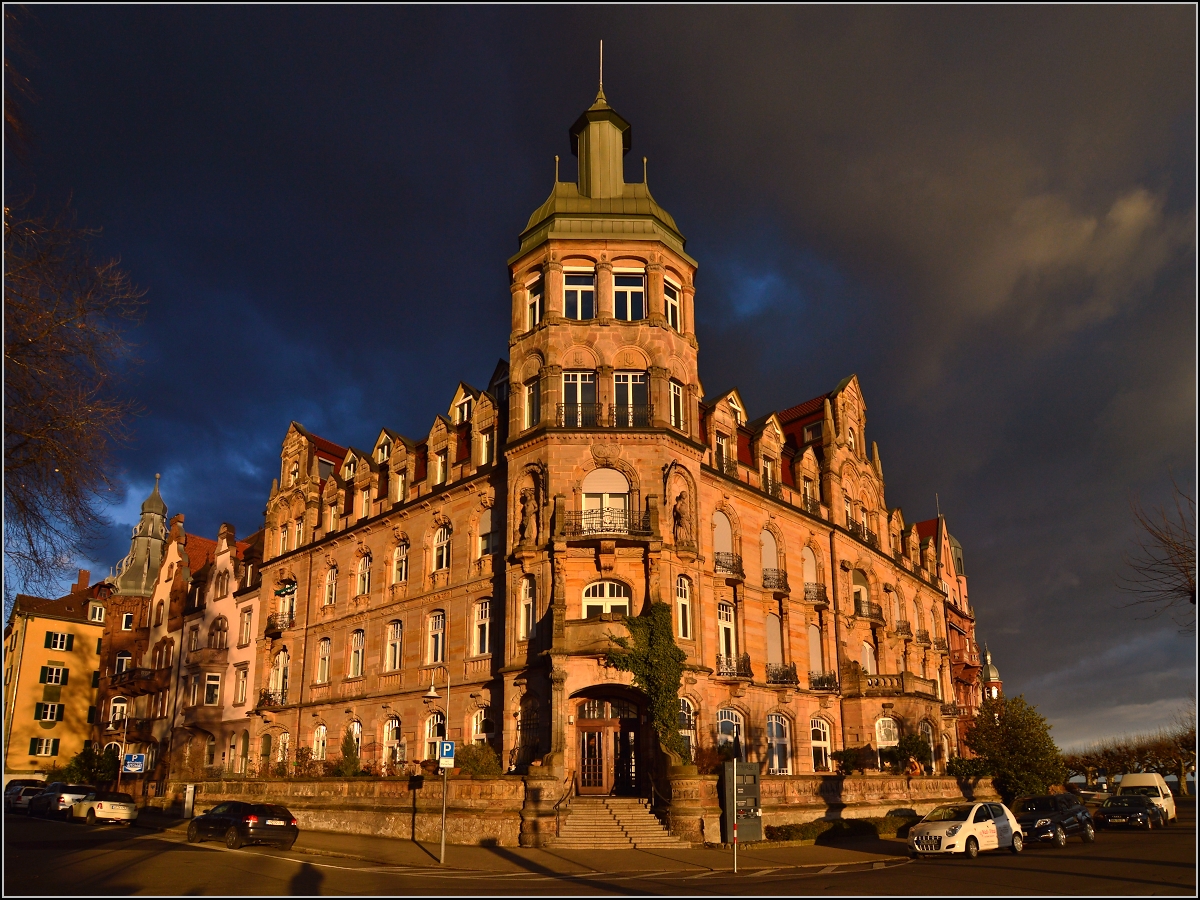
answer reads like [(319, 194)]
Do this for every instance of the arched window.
[(392, 658), (816, 650), (400, 564), (774, 629), (437, 636), (729, 728), (722, 533), (528, 608), (435, 730), (158, 613), (158, 657), (529, 731), (483, 627), (364, 575), (324, 646), (726, 631), (778, 745), (605, 502), (218, 634), (210, 751), (850, 438), (320, 741), (356, 735), (279, 676), (264, 748), (284, 529), (393, 748), (862, 594), (285, 743), (168, 652), (869, 663), (243, 757), (683, 606), (124, 660), (820, 744), (331, 586), (357, 649), (770, 554), (926, 732), (116, 709), (482, 728), (687, 725), (606, 597), (886, 732), (441, 549)]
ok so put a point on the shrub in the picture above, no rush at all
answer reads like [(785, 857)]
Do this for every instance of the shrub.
[(477, 759), (1015, 741), (91, 767), (830, 830), (967, 767), (854, 759), (348, 764), (711, 760)]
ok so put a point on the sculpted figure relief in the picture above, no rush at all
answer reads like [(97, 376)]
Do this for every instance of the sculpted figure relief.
[(529, 523), (683, 520)]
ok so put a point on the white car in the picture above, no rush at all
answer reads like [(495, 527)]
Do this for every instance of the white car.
[(105, 805), (966, 828)]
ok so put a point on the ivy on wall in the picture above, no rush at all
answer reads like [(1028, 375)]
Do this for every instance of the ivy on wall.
[(656, 663)]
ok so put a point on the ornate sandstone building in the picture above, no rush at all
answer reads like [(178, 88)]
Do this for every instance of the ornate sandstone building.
[(592, 478)]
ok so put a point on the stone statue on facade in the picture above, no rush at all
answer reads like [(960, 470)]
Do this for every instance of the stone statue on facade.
[(682, 524), (529, 522)]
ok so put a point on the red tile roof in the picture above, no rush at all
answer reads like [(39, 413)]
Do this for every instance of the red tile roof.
[(72, 606), (328, 449), (200, 551), (807, 408), (927, 529)]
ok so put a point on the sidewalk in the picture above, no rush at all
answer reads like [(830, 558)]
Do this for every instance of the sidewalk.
[(516, 860)]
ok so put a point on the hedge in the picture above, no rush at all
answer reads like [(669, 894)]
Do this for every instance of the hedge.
[(828, 830)]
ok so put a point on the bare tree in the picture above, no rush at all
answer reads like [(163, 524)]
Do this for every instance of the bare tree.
[(1163, 568), (63, 347)]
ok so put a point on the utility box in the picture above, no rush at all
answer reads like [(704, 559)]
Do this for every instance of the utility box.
[(189, 801), (741, 802)]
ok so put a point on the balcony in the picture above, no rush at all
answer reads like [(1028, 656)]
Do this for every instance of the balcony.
[(728, 564), (923, 638), (139, 681), (278, 623), (939, 643), (208, 656), (864, 685), (615, 521), (865, 609), (773, 488), (271, 699), (204, 716), (727, 465), (734, 666), (784, 673), (952, 710), (822, 681), (904, 629), (812, 506), (133, 730), (774, 580), (814, 592), (871, 538), (581, 415), (964, 657), (631, 416)]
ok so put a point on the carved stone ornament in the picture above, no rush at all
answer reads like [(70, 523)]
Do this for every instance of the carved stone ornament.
[(604, 452), (558, 677)]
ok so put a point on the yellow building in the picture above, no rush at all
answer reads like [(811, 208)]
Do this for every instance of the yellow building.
[(51, 664)]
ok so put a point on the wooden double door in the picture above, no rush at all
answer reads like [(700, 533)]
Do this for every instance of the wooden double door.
[(609, 734)]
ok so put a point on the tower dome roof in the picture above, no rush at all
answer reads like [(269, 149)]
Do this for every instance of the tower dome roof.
[(990, 672), (154, 503)]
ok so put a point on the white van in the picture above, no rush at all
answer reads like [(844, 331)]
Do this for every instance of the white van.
[(1152, 785)]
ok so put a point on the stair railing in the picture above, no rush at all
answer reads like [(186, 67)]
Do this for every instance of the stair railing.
[(567, 794)]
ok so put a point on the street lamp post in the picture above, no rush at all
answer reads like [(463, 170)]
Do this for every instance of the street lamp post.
[(121, 755), (432, 694)]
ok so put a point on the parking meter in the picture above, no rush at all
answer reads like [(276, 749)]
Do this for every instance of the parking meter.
[(741, 802)]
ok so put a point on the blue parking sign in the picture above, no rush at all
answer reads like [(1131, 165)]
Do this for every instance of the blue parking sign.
[(446, 754), (135, 763)]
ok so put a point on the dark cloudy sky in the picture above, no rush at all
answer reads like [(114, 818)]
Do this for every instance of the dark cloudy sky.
[(988, 214)]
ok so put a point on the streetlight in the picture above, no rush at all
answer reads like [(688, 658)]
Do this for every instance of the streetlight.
[(121, 757), (432, 694)]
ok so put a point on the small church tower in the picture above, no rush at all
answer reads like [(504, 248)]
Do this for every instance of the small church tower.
[(993, 687)]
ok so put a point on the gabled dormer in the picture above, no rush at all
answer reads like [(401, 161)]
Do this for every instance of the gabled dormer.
[(726, 417), (766, 449), (850, 415), (442, 447), (393, 459)]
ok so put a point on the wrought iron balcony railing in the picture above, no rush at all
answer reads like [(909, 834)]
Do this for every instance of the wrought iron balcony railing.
[(903, 628), (868, 610), (950, 710), (814, 592), (774, 488), (939, 643), (728, 564), (734, 666), (636, 416), (727, 465), (277, 623), (822, 681), (581, 415), (784, 673), (268, 699), (606, 521), (811, 505), (923, 637), (871, 537), (775, 579)]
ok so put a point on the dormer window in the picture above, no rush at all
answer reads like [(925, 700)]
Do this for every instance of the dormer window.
[(735, 410), (385, 453), (579, 297), (294, 474), (850, 438), (462, 412), (350, 469), (812, 432), (629, 297), (671, 302), (487, 447), (536, 308), (441, 466), (96, 613), (364, 505)]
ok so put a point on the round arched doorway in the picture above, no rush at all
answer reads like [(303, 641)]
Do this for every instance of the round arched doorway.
[(609, 741)]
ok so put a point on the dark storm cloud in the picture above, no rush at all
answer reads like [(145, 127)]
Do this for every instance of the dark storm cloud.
[(986, 213)]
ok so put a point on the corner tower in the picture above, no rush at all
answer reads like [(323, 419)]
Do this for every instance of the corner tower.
[(603, 452)]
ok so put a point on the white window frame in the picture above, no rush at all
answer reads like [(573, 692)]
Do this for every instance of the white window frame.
[(822, 747), (528, 624), (435, 731), (118, 709), (384, 453), (606, 597), (211, 680), (577, 292), (533, 404), (441, 549), (737, 727), (50, 712), (123, 662), (441, 469), (676, 405), (45, 747), (400, 563), (246, 627), (535, 307), (626, 293), (358, 652), (331, 586), (483, 628), (727, 628), (774, 742), (721, 451), (96, 613), (54, 674), (324, 650), (364, 575), (58, 640), (463, 409), (487, 447), (629, 380), (394, 655), (320, 741), (683, 601), (671, 306), (364, 503), (127, 622), (436, 630), (478, 734), (241, 682), (736, 410)]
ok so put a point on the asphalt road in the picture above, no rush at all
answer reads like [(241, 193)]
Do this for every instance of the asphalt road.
[(55, 858)]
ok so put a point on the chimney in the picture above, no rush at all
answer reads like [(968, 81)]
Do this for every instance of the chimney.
[(85, 576)]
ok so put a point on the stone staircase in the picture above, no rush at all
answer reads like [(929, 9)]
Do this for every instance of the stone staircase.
[(613, 823)]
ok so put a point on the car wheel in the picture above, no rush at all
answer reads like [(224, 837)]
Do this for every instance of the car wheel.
[(1089, 833), (1018, 843), (1060, 837), (1149, 823), (193, 833), (971, 850), (286, 845), (91, 817), (233, 840)]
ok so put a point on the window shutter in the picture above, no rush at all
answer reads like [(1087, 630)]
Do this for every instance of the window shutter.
[(66, 672), (91, 715), (58, 712), (70, 642), (33, 746), (42, 676), (96, 679), (49, 635), (37, 712), (54, 747)]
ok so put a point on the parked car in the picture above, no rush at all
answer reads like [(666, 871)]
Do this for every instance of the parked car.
[(1133, 810), (18, 800), (1054, 818), (57, 799), (1149, 784), (17, 783), (1096, 794), (966, 828), (108, 805), (245, 823)]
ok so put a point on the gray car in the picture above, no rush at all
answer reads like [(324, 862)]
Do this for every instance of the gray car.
[(57, 799)]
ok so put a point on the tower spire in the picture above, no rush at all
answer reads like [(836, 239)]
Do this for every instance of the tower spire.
[(601, 67)]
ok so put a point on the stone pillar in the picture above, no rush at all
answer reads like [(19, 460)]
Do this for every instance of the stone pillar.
[(660, 394), (785, 620), (542, 791), (517, 289), (605, 390), (558, 715), (552, 285), (604, 292), (687, 313), (692, 410), (551, 393), (655, 308)]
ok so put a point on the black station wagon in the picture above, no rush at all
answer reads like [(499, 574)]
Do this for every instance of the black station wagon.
[(239, 823)]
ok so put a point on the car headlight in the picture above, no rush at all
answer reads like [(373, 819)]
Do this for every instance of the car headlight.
[(1042, 823), (953, 830)]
